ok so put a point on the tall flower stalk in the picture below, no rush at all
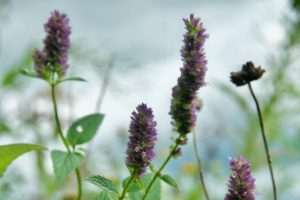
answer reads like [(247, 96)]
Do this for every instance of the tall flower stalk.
[(247, 74), (184, 94), (51, 64), (140, 149)]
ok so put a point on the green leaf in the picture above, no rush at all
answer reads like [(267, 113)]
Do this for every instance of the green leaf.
[(73, 79), (104, 195), (135, 195), (140, 183), (11, 77), (154, 192), (151, 167), (64, 163), (84, 129), (169, 180), (134, 186), (29, 73), (9, 153), (103, 183)]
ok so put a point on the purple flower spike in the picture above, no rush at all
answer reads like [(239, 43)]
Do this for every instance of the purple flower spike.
[(57, 42), (56, 46), (241, 183), (183, 104), (140, 148)]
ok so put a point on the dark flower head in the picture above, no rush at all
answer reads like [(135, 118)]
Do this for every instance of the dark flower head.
[(140, 148), (241, 183), (247, 74), (56, 46), (184, 103)]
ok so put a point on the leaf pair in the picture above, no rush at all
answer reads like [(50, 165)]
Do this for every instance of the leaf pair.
[(80, 132), (135, 191), (32, 74)]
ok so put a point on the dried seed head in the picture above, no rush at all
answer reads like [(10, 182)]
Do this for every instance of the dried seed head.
[(247, 74)]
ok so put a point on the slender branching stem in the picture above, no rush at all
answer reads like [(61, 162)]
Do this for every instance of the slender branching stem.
[(264, 140), (127, 185), (157, 173), (200, 171), (64, 140)]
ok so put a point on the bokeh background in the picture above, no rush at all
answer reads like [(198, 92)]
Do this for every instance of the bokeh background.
[(129, 53)]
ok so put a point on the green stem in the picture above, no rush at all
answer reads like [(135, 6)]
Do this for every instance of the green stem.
[(264, 140), (78, 176), (60, 132), (197, 155), (127, 185), (157, 173), (57, 118)]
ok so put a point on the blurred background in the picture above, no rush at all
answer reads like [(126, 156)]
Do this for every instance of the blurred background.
[(129, 53)]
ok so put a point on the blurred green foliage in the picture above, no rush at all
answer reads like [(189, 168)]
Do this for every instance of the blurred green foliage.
[(12, 78)]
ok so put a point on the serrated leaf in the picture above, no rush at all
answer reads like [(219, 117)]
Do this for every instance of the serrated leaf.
[(73, 79), (64, 163), (84, 129), (9, 153), (169, 180), (154, 192), (104, 195), (103, 183), (134, 186)]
